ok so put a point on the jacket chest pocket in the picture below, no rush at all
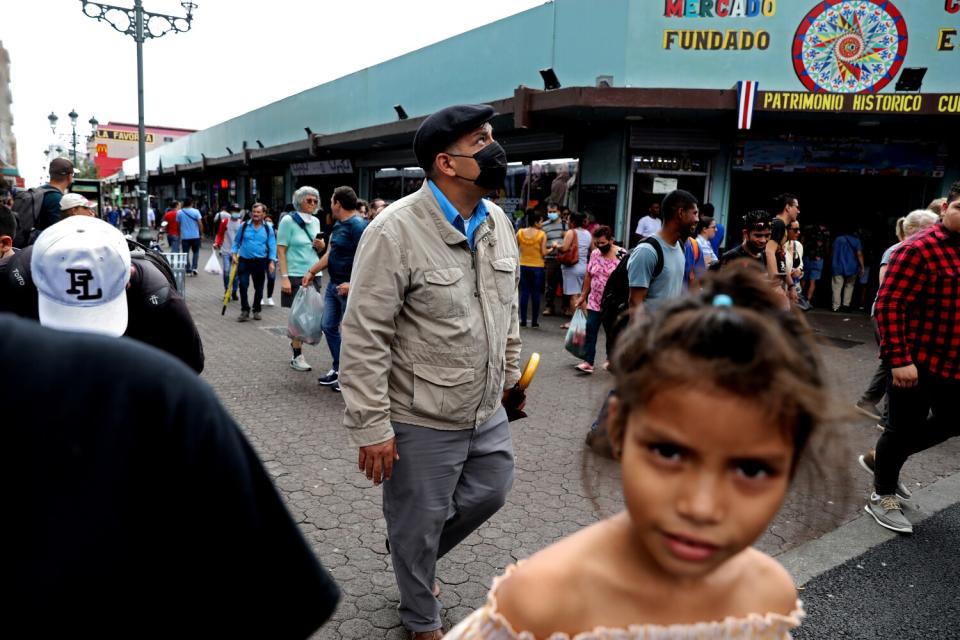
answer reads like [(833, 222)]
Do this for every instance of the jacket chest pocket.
[(443, 392), (505, 275), (447, 292), (947, 286)]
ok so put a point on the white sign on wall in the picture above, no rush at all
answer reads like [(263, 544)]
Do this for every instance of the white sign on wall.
[(664, 185)]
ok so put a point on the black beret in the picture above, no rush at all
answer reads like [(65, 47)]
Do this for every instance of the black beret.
[(442, 128)]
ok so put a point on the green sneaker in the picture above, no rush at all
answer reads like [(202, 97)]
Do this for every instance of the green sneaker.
[(887, 512), (869, 462)]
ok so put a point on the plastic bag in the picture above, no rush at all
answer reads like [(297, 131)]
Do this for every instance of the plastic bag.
[(305, 322), (213, 265), (576, 342)]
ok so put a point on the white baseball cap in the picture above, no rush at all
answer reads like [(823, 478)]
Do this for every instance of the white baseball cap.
[(71, 200), (81, 266)]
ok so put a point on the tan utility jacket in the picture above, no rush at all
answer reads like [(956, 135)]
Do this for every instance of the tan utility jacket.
[(431, 334)]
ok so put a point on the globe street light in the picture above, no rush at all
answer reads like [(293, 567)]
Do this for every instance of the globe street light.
[(140, 25), (73, 139), (53, 121)]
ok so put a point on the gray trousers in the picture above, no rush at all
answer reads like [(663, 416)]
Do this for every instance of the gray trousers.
[(444, 486)]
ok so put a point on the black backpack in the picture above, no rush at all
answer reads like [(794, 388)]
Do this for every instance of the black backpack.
[(140, 252), (27, 205), (616, 295)]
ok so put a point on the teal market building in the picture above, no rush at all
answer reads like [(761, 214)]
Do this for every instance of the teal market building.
[(855, 108)]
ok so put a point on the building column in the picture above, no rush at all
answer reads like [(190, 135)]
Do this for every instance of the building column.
[(604, 162)]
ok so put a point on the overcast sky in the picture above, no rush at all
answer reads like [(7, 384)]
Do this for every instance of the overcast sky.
[(239, 55)]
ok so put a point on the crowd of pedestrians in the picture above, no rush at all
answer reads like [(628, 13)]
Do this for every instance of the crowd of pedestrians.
[(425, 305)]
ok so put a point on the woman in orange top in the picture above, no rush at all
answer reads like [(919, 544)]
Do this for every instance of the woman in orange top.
[(533, 247)]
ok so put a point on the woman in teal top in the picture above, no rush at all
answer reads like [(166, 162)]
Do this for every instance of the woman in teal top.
[(297, 247)]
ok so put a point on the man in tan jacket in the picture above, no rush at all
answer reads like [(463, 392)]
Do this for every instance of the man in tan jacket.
[(430, 345)]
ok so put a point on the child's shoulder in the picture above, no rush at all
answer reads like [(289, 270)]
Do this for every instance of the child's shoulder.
[(542, 593), (763, 585)]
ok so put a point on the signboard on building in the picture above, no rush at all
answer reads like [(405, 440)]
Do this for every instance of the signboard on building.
[(898, 103), (125, 136), (321, 168)]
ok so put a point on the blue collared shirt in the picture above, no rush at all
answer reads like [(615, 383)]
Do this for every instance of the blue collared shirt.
[(451, 213)]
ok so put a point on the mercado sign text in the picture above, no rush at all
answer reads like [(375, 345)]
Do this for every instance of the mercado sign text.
[(719, 8), (923, 103)]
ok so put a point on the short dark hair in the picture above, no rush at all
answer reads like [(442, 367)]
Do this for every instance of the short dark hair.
[(362, 204), (8, 221), (676, 200), (534, 216), (756, 218), (578, 219), (346, 197), (781, 201), (603, 231), (187, 202), (552, 203), (707, 209), (704, 223), (954, 192)]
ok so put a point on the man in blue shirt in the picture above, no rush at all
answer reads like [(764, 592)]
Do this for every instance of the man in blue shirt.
[(191, 229), (338, 261), (847, 267), (255, 249)]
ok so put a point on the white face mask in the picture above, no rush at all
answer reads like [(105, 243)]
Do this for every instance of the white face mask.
[(307, 217)]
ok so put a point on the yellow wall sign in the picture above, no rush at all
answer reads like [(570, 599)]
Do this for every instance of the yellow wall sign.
[(905, 103), (124, 136)]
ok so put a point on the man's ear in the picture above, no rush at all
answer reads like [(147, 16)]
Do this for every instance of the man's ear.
[(6, 243)]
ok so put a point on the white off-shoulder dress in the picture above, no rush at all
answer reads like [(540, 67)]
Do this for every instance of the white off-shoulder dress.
[(486, 623)]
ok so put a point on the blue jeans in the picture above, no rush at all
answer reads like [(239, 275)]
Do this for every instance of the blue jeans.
[(531, 285), (334, 306), (192, 244), (174, 242), (227, 258), (593, 332)]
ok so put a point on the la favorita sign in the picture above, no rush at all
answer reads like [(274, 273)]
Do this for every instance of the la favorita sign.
[(125, 136)]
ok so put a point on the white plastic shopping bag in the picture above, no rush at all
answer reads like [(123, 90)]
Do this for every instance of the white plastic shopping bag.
[(305, 322), (213, 265)]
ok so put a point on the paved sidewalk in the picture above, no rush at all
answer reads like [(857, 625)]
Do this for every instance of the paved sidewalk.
[(295, 426)]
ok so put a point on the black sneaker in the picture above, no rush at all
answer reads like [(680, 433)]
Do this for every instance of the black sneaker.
[(522, 323), (329, 379), (256, 315), (244, 316), (234, 297), (336, 386)]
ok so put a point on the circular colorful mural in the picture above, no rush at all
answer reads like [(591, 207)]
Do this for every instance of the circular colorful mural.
[(850, 46)]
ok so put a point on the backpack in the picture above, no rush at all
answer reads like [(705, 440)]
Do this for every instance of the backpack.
[(243, 228), (140, 252), (27, 205), (616, 294)]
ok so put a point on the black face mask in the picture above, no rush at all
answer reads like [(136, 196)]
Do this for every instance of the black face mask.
[(605, 248), (492, 160)]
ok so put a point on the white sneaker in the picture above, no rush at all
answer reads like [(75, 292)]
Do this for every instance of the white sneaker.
[(299, 364), (270, 302)]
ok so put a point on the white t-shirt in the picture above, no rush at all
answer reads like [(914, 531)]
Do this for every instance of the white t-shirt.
[(648, 226)]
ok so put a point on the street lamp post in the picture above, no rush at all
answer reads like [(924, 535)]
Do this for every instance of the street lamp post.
[(73, 139), (140, 25), (73, 115)]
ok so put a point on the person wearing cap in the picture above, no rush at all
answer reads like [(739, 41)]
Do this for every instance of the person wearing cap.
[(74, 204), (80, 275), (430, 343), (81, 267), (61, 178)]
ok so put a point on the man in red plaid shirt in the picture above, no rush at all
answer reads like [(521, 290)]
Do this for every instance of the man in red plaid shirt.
[(918, 315)]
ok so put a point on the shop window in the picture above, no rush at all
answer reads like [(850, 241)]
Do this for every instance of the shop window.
[(551, 180), (392, 183), (657, 174)]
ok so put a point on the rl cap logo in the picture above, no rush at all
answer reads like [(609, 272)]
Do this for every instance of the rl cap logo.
[(80, 280)]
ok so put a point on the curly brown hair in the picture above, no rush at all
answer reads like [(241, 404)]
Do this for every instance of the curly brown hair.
[(735, 337)]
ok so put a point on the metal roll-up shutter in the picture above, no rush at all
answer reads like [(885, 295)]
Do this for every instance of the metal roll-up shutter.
[(674, 139)]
